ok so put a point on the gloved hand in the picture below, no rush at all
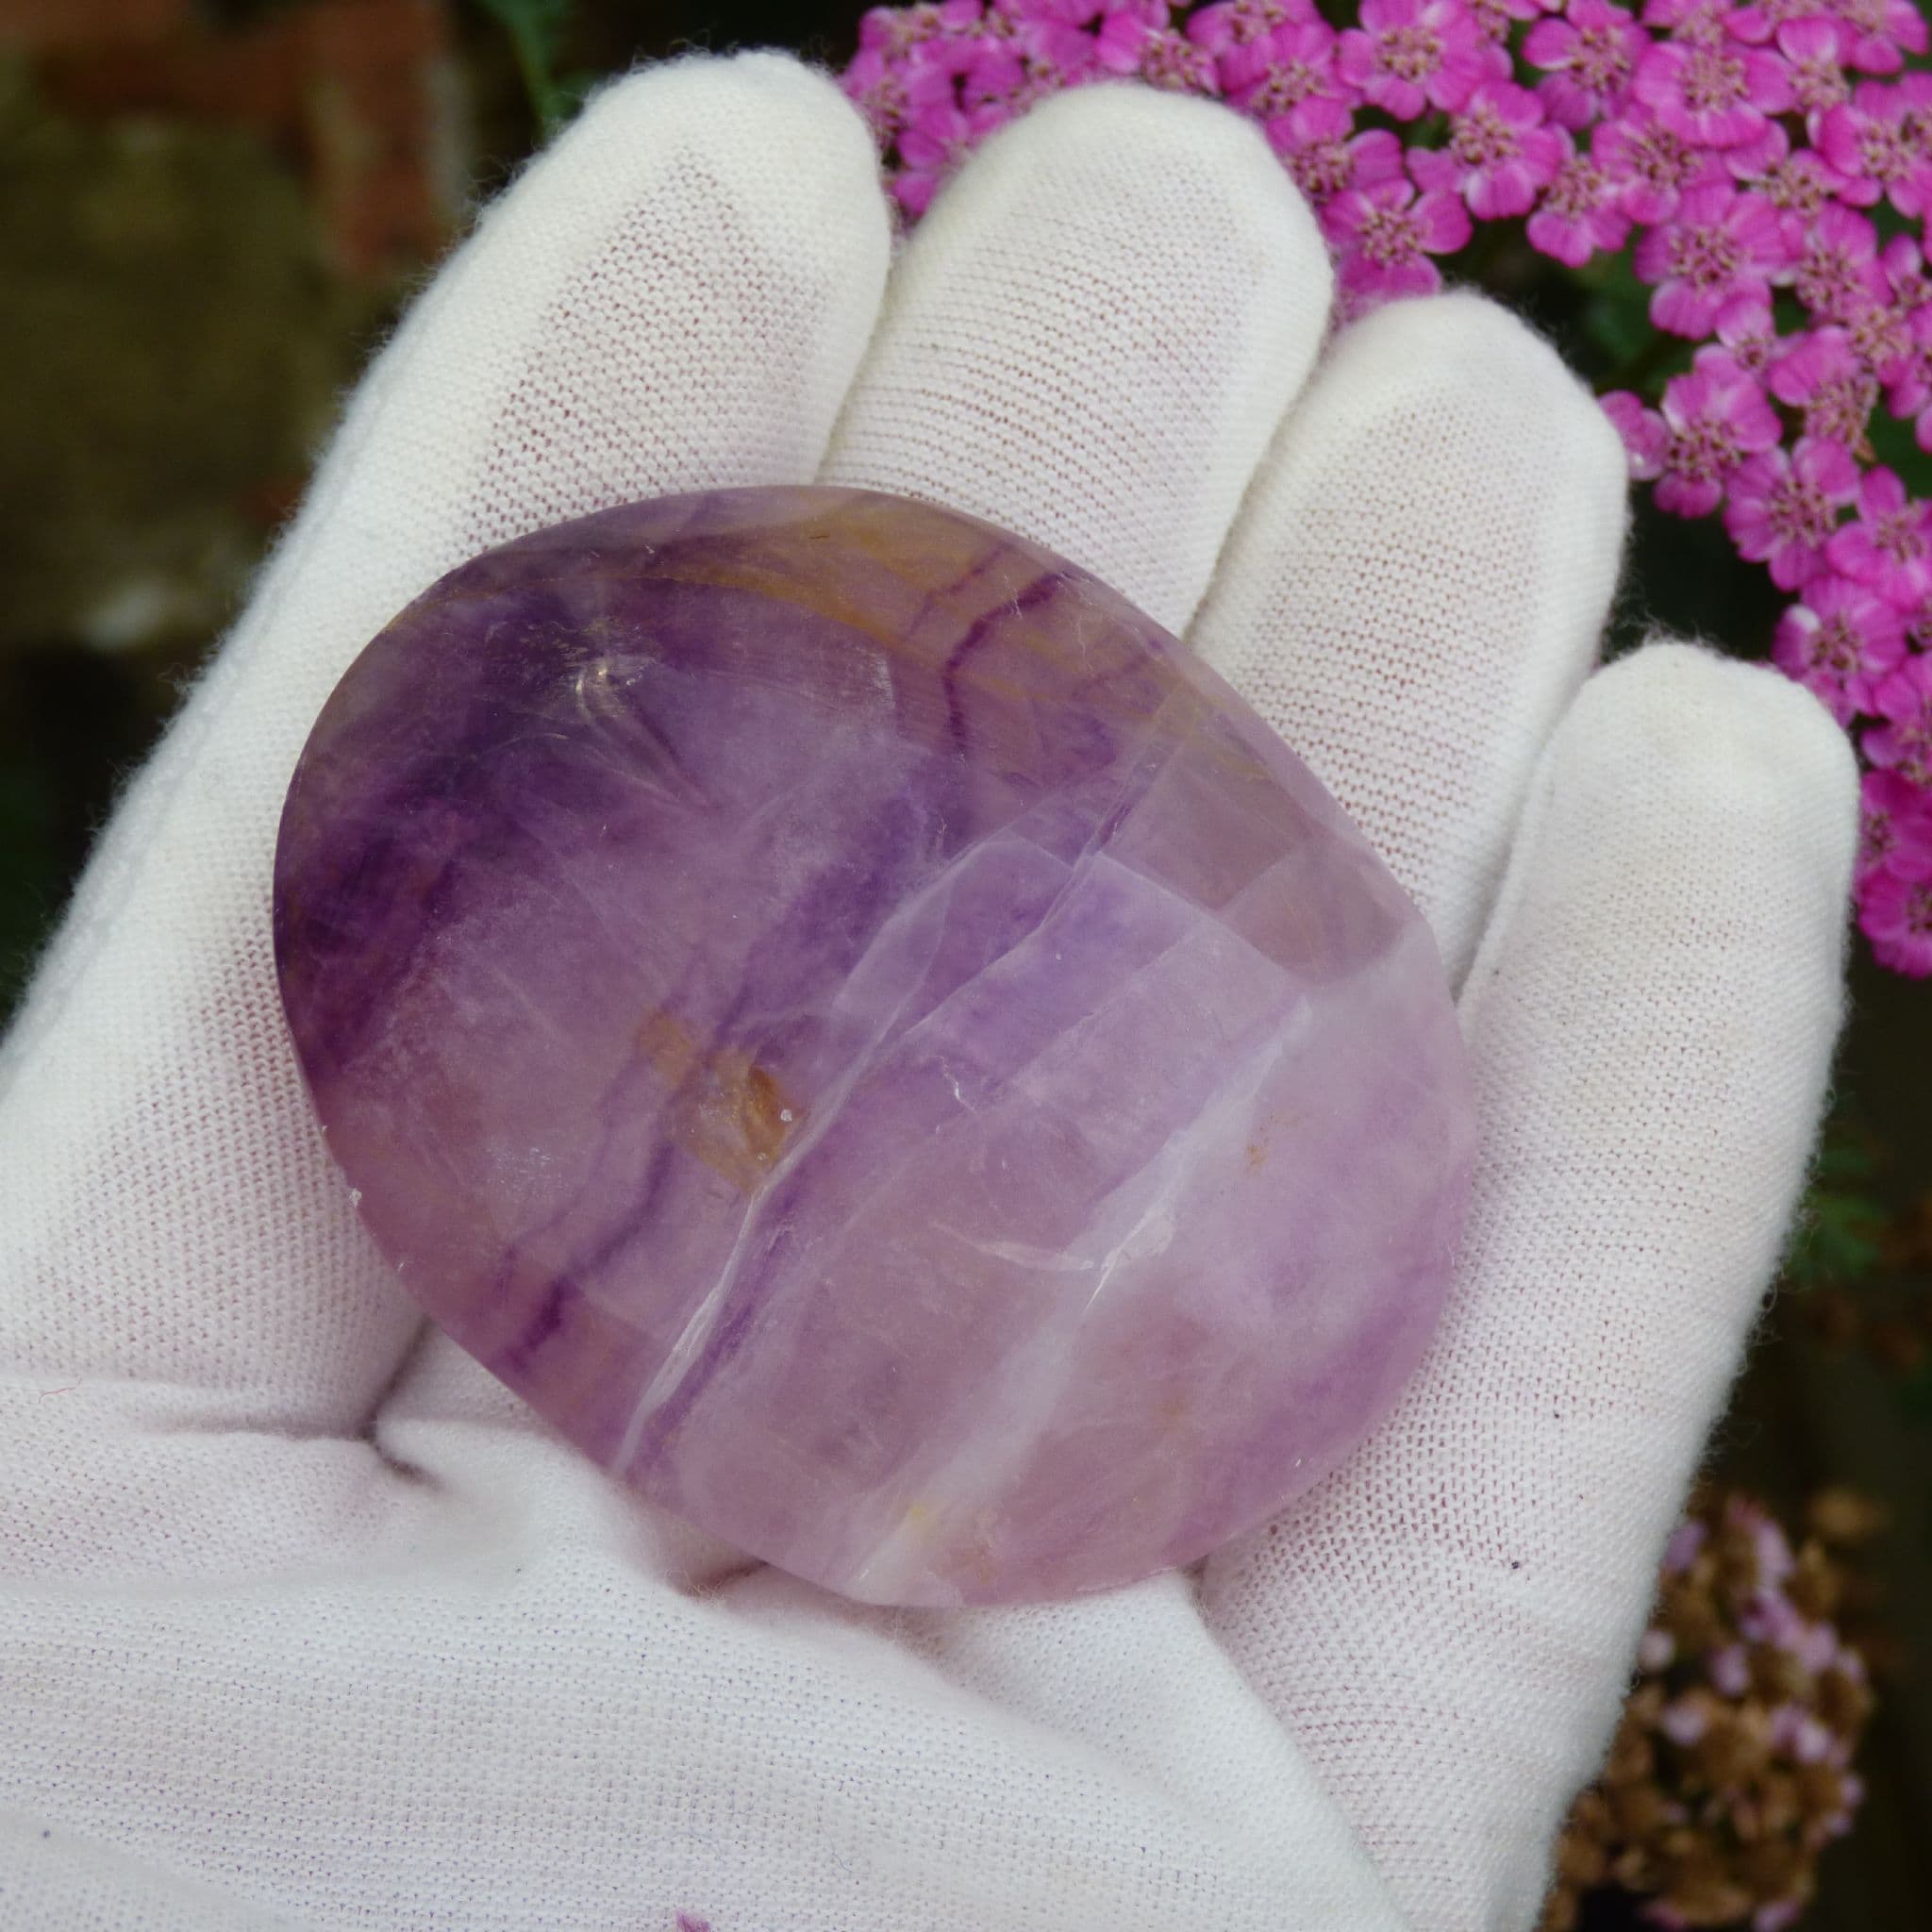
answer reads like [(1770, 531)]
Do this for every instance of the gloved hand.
[(304, 1622)]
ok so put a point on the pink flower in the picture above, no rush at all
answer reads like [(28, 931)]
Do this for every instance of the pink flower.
[(1684, 1721), (1235, 23), (1815, 50), (1746, 332), (1729, 1669), (1895, 914), (1581, 211), (877, 87), (1590, 52), (894, 74), (1720, 244), (1122, 30), (1917, 623), (1687, 1541), (1051, 40), (1645, 433), (1890, 547), (1839, 641), (1286, 65), (1881, 339), (1909, 395), (1895, 867), (1882, 32), (1762, 18), (1325, 157), (1904, 273), (1711, 420), (1172, 61), (1696, 22), (1751, 161), (1499, 154), (1903, 697), (1837, 271), (1386, 233), (1821, 375), (1774, 1559), (1800, 1734), (1175, 63), (1494, 18), (1059, 43), (1653, 164), (1783, 506), (1798, 185), (996, 74), (1409, 55), (937, 137), (1714, 95), (1895, 812), (1876, 145), (1760, 22), (894, 31)]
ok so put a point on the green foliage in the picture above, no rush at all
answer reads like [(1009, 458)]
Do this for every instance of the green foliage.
[(1897, 446), (1841, 1226), (537, 30), (1916, 1395), (1617, 318)]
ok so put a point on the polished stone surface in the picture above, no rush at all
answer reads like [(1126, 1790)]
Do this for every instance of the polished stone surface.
[(883, 1050)]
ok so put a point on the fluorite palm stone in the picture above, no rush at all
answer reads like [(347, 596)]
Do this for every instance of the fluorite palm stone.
[(879, 1046)]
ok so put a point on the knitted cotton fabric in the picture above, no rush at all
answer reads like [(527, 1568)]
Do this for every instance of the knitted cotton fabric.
[(304, 1623)]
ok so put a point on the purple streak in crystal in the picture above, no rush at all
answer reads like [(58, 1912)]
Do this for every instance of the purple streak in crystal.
[(880, 1047)]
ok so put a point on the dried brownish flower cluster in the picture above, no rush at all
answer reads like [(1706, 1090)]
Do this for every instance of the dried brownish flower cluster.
[(1732, 1768)]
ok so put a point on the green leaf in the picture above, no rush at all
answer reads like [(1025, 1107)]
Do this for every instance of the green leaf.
[(1619, 321), (1841, 1228), (1897, 446), (542, 21), (536, 30), (1915, 1394)]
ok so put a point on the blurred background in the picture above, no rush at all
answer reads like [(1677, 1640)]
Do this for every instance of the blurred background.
[(212, 212)]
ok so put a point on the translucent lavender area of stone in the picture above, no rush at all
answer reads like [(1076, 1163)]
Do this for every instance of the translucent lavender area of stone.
[(882, 1049)]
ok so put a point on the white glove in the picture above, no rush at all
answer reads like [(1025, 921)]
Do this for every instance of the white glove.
[(304, 1622)]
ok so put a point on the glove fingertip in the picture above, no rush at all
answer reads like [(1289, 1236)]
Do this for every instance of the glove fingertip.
[(1742, 744)]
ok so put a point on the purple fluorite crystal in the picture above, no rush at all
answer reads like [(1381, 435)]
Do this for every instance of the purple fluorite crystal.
[(879, 1046)]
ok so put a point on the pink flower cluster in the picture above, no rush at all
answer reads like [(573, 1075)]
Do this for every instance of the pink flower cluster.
[(1767, 167)]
